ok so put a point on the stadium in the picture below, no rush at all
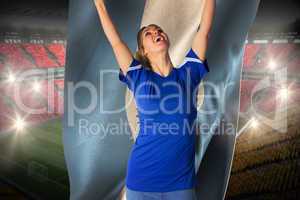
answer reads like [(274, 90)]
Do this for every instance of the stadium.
[(33, 43)]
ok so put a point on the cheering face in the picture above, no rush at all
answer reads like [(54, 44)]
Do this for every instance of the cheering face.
[(154, 40)]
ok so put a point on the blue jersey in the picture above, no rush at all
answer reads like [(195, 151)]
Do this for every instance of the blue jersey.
[(162, 158)]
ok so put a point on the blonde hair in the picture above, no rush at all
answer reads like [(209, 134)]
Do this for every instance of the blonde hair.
[(139, 55)]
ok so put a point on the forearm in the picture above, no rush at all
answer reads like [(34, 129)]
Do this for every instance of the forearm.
[(200, 42), (122, 52), (207, 17), (107, 24)]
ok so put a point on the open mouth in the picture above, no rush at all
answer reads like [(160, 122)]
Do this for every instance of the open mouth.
[(159, 39)]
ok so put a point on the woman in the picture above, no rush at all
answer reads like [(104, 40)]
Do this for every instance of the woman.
[(161, 162)]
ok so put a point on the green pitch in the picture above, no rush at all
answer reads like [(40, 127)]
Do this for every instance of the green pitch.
[(34, 161)]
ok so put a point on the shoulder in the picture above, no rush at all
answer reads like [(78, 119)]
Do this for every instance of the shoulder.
[(135, 65), (190, 58)]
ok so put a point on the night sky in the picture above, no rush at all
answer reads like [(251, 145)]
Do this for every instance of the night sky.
[(277, 16)]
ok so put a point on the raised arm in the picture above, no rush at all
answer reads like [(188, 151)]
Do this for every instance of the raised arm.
[(200, 41), (122, 52)]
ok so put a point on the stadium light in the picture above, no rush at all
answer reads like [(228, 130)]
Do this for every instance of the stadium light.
[(283, 93), (36, 86), (11, 78), (254, 123), (272, 64), (19, 124)]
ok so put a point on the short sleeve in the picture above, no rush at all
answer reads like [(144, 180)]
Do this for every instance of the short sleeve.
[(194, 67), (132, 74)]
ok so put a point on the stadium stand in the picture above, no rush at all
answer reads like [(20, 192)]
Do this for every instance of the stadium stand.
[(266, 163), (5, 113), (258, 56), (59, 51), (1, 64), (251, 51), (245, 93), (54, 95), (40, 55), (59, 84), (22, 56), (294, 61), (14, 57)]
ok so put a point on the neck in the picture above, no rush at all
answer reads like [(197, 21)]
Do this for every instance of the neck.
[(161, 63)]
